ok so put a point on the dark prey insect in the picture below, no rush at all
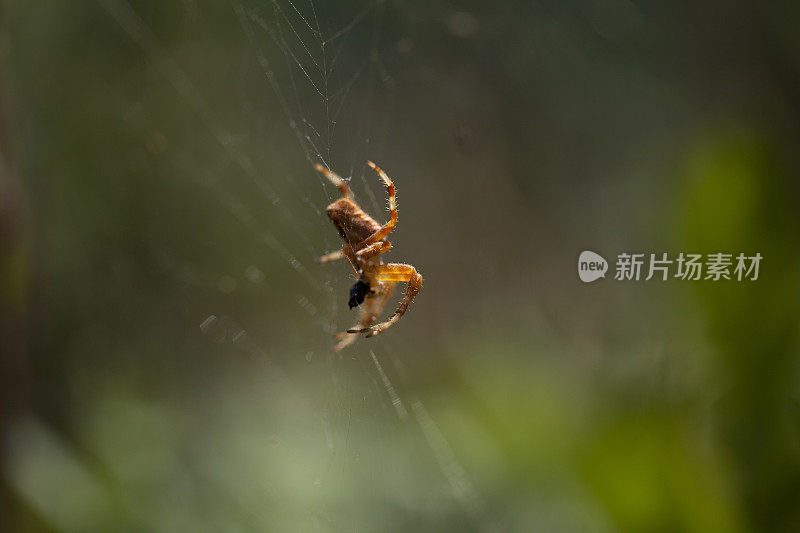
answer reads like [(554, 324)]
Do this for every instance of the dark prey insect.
[(364, 241)]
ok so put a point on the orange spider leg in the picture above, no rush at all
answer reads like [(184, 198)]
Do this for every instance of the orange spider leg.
[(389, 226), (394, 272), (374, 249), (346, 251), (370, 309), (336, 180)]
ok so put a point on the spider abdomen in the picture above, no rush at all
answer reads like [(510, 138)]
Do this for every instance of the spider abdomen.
[(353, 224)]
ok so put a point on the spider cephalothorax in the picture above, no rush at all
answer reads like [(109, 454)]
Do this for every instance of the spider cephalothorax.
[(364, 241)]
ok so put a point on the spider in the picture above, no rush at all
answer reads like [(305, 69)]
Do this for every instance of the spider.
[(364, 241)]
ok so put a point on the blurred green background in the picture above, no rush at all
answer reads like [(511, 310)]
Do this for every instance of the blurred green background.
[(156, 176)]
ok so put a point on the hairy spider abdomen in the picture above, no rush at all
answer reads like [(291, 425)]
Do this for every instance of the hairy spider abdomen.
[(353, 224)]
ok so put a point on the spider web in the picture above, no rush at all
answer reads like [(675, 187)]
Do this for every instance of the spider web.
[(326, 69)]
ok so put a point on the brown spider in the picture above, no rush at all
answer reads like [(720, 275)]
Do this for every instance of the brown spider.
[(364, 241)]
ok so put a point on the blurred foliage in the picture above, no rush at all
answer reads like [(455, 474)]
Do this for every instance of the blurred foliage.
[(158, 161), (754, 326)]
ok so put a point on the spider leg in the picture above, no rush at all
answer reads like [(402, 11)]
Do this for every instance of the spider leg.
[(389, 226), (333, 256), (394, 272), (346, 252), (336, 180), (374, 249), (369, 312)]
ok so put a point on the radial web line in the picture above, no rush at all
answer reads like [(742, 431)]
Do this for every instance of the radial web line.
[(451, 467), (402, 413)]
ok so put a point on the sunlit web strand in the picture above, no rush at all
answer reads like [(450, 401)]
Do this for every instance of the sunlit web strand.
[(244, 22), (286, 49), (291, 59), (283, 15)]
